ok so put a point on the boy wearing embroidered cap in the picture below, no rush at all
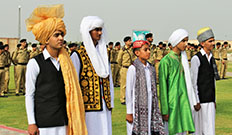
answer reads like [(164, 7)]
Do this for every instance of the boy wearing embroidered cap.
[(143, 114), (176, 92), (203, 73)]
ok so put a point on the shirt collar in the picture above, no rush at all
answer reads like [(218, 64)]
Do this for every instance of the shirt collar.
[(47, 55), (147, 65), (204, 53)]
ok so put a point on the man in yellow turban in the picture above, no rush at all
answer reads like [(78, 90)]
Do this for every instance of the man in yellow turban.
[(203, 73), (53, 95)]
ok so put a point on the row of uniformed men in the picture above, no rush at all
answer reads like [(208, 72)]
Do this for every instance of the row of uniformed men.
[(220, 55), (19, 58)]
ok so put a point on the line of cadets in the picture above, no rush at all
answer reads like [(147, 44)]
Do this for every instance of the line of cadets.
[(119, 58)]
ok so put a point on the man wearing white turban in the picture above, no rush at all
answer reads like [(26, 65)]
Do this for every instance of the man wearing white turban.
[(176, 93), (92, 66)]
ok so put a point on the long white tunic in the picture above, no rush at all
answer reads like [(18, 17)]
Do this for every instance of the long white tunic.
[(204, 119), (99, 122), (31, 76), (130, 95)]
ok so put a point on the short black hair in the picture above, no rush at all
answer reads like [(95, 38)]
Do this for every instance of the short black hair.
[(160, 43), (34, 45), (6, 45), (72, 45), (18, 45), (169, 44), (23, 40), (117, 43), (135, 49), (225, 43), (218, 43), (110, 43), (1, 47), (127, 38), (164, 45), (148, 35), (1, 43)]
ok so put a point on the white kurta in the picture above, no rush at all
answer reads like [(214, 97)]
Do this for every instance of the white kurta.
[(204, 119), (31, 76), (130, 95), (99, 122)]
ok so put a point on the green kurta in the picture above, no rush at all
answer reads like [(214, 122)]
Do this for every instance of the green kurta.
[(173, 95)]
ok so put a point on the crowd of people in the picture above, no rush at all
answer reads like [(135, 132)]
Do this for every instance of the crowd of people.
[(69, 89)]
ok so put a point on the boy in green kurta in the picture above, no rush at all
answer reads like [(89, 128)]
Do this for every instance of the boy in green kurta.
[(175, 106)]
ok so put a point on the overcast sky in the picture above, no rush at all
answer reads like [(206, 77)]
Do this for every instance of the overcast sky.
[(161, 17)]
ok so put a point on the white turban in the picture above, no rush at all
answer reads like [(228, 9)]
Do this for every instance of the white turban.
[(176, 37), (98, 55)]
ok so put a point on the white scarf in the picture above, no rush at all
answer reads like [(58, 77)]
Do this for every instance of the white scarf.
[(176, 37), (98, 55)]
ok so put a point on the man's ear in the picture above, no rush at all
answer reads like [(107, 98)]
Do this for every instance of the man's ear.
[(202, 43), (46, 42), (137, 52)]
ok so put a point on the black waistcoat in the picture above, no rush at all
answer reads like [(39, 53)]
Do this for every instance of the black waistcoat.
[(50, 99), (205, 80)]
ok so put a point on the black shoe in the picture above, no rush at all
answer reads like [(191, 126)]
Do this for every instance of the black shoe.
[(23, 93), (5, 92), (123, 103), (3, 96), (17, 94)]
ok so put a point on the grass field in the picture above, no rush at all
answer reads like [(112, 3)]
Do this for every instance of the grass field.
[(13, 114)]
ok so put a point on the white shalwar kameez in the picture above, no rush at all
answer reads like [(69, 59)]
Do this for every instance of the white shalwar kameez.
[(204, 119), (31, 76), (98, 122), (130, 95)]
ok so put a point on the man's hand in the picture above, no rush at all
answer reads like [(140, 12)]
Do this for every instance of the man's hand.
[(129, 118), (197, 107), (165, 117), (33, 129)]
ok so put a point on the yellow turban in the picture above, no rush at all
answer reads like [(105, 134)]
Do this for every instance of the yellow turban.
[(45, 20)]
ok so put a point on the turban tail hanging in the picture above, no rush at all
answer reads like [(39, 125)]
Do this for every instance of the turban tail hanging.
[(43, 22)]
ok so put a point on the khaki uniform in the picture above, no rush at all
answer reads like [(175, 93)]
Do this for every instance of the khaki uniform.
[(189, 55), (15, 76), (194, 52), (21, 57), (224, 62), (114, 66), (151, 59), (159, 56), (216, 55), (125, 59), (33, 54), (165, 52), (2, 72), (7, 71)]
